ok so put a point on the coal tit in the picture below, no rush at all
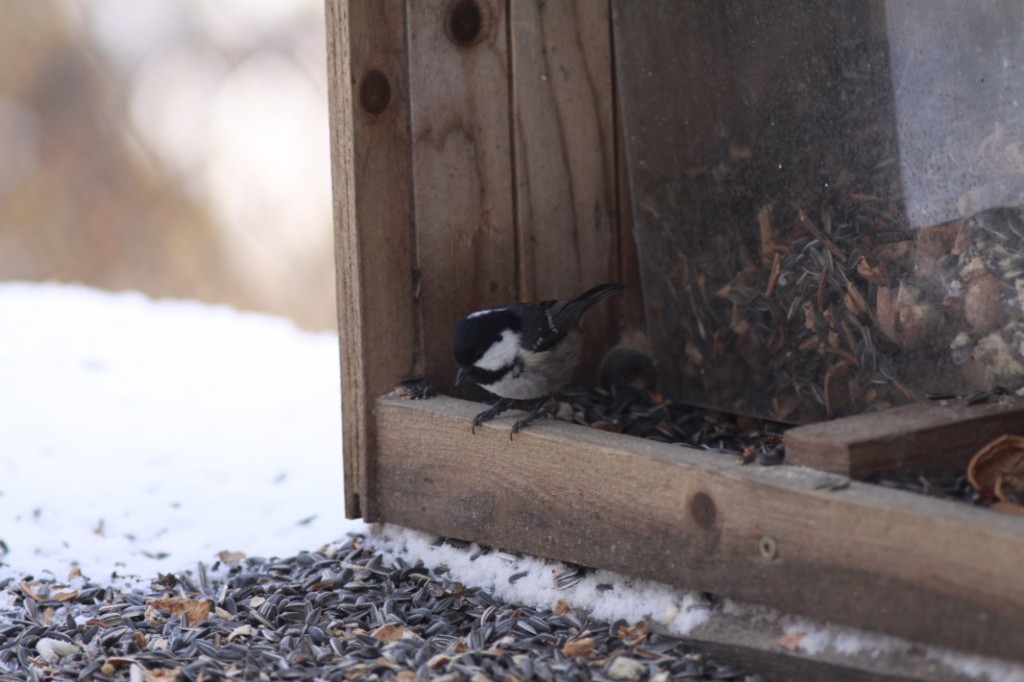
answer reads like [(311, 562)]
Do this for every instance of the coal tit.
[(523, 352)]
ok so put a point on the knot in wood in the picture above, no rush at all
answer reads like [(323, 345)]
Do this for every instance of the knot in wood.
[(703, 510), (464, 22), (374, 92)]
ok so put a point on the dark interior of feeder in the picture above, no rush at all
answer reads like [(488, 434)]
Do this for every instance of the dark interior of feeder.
[(825, 227), (829, 225)]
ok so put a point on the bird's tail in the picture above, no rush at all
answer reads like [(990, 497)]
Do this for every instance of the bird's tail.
[(566, 314), (598, 293)]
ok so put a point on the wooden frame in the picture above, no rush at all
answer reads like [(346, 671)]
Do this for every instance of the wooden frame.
[(475, 161)]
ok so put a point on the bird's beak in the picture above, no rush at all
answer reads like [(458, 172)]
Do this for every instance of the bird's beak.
[(461, 374)]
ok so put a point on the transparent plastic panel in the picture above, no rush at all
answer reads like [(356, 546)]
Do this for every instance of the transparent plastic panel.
[(828, 198)]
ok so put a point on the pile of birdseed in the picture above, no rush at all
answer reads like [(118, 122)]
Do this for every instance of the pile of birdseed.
[(338, 614), (647, 414)]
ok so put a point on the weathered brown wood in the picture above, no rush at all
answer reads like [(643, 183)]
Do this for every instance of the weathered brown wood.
[(564, 148), (803, 541), (921, 437), (372, 201), (748, 644), (628, 308), (462, 167)]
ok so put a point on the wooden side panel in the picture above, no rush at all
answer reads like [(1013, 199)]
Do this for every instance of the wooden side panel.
[(565, 145), (803, 541), (462, 167), (629, 307), (920, 438), (373, 237), (565, 188)]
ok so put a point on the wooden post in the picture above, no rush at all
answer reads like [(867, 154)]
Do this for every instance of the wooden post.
[(369, 107)]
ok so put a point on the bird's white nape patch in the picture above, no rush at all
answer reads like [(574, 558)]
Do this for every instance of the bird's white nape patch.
[(481, 313), (501, 354)]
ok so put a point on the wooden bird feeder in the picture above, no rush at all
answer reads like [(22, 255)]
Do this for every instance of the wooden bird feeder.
[(487, 151)]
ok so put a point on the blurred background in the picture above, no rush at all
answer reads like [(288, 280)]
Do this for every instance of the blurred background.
[(175, 147)]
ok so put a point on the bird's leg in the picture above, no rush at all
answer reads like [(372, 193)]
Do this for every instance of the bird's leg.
[(540, 409), (493, 411)]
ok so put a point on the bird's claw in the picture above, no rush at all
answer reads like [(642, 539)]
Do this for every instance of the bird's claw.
[(491, 412), (539, 410), (536, 409)]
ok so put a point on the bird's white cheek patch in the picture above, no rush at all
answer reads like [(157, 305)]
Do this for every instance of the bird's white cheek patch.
[(502, 354)]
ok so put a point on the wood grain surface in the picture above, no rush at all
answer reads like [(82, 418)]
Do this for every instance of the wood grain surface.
[(565, 182), (803, 541), (373, 229), (921, 438), (462, 169)]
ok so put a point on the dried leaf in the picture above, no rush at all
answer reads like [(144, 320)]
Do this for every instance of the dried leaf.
[(891, 252), (240, 631), (876, 274), (231, 557), (392, 632), (635, 633), (114, 661), (561, 608), (161, 675), (64, 595), (195, 610), (579, 647), (35, 590), (1010, 486), (438, 660), (997, 470), (791, 640), (75, 572)]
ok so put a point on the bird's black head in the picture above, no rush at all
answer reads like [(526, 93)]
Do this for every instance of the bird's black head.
[(477, 333)]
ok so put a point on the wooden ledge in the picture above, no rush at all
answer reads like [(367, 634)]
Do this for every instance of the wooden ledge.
[(920, 438), (802, 541)]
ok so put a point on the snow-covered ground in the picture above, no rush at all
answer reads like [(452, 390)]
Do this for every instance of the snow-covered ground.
[(140, 437)]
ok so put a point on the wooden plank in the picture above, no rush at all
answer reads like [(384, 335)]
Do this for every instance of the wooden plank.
[(564, 148), (802, 541), (755, 646), (750, 638), (462, 167), (373, 238), (921, 437), (628, 307)]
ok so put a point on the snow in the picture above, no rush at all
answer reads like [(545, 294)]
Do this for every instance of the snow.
[(140, 437), (527, 580)]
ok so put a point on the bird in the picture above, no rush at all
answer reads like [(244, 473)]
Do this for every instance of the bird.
[(523, 352)]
